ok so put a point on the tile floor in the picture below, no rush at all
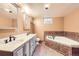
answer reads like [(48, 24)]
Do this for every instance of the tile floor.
[(43, 50)]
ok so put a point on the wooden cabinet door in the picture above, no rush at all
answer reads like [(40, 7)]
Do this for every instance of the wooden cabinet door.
[(31, 47), (34, 43), (26, 49), (18, 52)]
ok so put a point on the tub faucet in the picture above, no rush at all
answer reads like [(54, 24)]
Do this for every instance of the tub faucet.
[(53, 37)]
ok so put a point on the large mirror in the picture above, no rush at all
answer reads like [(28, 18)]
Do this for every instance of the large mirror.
[(8, 16)]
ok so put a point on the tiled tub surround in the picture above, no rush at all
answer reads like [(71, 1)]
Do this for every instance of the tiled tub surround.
[(65, 45), (71, 35), (56, 33), (63, 49)]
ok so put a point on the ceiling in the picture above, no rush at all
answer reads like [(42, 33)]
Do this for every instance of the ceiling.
[(38, 9), (55, 9)]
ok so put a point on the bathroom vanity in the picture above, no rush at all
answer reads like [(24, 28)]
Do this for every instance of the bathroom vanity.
[(22, 46)]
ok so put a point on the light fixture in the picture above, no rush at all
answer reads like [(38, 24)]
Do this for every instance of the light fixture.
[(46, 6), (7, 10)]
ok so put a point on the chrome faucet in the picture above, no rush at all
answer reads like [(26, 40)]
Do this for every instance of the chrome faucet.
[(11, 38)]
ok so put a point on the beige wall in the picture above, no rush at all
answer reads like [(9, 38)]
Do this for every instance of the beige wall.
[(40, 27), (71, 22)]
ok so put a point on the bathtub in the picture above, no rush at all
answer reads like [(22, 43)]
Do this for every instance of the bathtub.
[(64, 40)]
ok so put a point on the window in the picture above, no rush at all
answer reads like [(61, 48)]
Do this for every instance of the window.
[(48, 20)]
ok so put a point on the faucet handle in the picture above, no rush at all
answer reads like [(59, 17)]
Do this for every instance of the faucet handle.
[(6, 41), (14, 37), (10, 38)]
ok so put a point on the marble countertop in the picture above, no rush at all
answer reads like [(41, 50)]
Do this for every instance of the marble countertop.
[(11, 46)]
